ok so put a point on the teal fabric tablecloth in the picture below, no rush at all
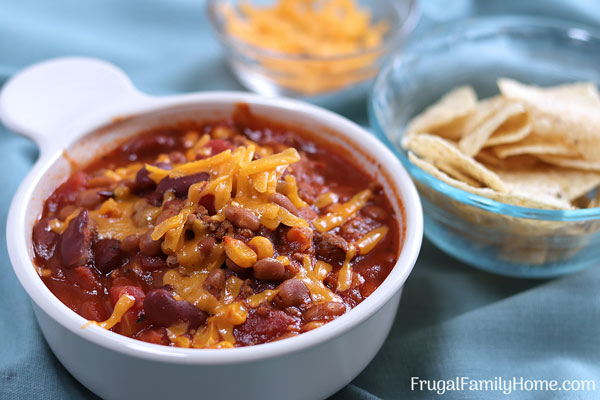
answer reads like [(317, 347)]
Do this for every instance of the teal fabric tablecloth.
[(453, 320)]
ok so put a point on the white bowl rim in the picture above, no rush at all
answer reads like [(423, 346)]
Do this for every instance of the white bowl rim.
[(141, 104)]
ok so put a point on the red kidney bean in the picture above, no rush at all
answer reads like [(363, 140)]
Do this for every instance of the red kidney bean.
[(283, 201), (219, 145), (148, 246), (149, 145), (44, 239), (269, 269), (292, 293), (74, 243), (241, 217), (179, 186), (163, 310), (143, 183), (215, 282), (131, 243), (67, 192), (324, 311), (108, 255), (208, 202), (150, 263)]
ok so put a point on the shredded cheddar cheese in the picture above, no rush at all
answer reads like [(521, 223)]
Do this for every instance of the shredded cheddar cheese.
[(345, 274), (368, 242), (239, 179), (313, 276), (341, 213), (335, 32)]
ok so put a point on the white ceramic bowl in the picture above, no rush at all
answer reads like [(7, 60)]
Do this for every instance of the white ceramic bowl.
[(69, 107)]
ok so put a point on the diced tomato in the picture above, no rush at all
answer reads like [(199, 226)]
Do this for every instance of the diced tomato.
[(93, 311), (135, 291), (154, 335), (84, 278)]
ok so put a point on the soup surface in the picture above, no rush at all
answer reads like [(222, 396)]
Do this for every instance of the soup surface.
[(217, 235)]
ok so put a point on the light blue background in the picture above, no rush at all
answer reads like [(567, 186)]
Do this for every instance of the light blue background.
[(453, 320)]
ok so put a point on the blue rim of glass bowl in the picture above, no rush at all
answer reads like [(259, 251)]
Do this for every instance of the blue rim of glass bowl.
[(462, 30), (399, 33)]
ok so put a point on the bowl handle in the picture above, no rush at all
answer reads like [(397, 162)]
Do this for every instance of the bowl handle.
[(39, 100)]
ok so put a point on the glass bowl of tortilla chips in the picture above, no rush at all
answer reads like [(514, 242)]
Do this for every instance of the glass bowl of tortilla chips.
[(498, 121)]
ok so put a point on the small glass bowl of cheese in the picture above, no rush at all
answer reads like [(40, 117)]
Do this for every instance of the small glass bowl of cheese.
[(308, 48)]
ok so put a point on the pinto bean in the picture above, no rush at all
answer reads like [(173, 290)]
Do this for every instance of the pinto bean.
[(215, 281), (177, 157), (163, 310), (269, 269), (148, 246), (324, 311), (131, 243), (179, 186), (283, 201), (292, 293), (74, 243), (91, 198), (44, 240), (241, 217), (108, 255), (206, 246), (143, 214), (242, 272), (170, 209)]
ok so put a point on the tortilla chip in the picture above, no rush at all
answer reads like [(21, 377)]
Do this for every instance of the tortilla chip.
[(570, 162), (535, 145), (455, 104), (457, 174), (562, 183), (507, 198), (514, 129), (488, 158), (436, 149), (561, 115), (475, 139)]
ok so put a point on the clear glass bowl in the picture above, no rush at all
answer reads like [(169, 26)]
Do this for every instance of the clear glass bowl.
[(493, 236), (278, 74)]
